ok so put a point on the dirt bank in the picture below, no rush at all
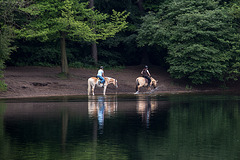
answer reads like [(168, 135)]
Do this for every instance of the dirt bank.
[(43, 81)]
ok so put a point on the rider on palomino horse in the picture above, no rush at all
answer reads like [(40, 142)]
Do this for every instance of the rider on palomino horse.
[(146, 74), (145, 80)]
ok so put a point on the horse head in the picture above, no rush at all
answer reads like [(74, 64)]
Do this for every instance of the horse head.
[(113, 81), (154, 82)]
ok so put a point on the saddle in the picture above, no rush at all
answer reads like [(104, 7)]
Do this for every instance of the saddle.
[(99, 81), (146, 80)]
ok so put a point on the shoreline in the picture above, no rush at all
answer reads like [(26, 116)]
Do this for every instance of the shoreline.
[(43, 82), (162, 93)]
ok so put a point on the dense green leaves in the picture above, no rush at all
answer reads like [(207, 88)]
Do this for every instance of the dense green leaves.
[(198, 40), (70, 19), (6, 34), (5, 46), (199, 36)]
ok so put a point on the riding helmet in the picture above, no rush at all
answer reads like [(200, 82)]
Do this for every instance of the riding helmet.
[(101, 67), (146, 66)]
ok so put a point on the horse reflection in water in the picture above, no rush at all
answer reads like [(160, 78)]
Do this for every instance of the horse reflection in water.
[(145, 108), (99, 107)]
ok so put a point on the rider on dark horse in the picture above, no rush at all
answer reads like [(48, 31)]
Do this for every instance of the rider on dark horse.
[(146, 74)]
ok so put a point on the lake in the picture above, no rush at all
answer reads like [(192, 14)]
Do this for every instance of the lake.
[(121, 127)]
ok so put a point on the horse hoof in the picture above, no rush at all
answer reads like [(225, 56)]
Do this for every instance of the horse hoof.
[(136, 92)]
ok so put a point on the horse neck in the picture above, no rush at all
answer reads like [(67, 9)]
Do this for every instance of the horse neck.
[(152, 79), (112, 80)]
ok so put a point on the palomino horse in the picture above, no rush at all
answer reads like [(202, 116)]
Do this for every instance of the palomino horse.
[(141, 82), (93, 82)]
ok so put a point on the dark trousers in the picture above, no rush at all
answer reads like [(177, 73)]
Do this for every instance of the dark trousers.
[(149, 79)]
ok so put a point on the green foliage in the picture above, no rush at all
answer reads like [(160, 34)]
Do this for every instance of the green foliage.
[(35, 53), (199, 37), (120, 50), (62, 75), (5, 45), (76, 65), (3, 86), (235, 9), (6, 35), (188, 87), (152, 5), (124, 43), (52, 17), (69, 19)]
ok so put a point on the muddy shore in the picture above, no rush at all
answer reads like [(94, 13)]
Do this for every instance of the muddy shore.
[(31, 81)]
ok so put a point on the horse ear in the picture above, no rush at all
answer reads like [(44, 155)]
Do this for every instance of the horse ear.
[(157, 81)]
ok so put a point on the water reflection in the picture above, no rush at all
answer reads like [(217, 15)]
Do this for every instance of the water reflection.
[(115, 127), (145, 107), (101, 109), (101, 106)]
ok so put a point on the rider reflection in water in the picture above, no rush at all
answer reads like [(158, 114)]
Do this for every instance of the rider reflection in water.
[(101, 114)]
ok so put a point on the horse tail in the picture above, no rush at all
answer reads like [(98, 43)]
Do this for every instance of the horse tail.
[(137, 83), (89, 86)]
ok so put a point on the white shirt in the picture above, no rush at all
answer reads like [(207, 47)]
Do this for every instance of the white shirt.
[(100, 72)]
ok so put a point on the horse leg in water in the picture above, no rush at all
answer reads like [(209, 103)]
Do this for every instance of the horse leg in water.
[(89, 87), (137, 87), (104, 90), (93, 87)]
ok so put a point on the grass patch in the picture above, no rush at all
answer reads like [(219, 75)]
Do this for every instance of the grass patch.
[(63, 75), (3, 86)]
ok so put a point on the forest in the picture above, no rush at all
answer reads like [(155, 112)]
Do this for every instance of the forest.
[(194, 40)]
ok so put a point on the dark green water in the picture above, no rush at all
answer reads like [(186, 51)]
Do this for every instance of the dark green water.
[(124, 127)]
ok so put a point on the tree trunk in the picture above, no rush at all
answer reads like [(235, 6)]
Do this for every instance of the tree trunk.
[(140, 6), (64, 66), (91, 3), (64, 130), (94, 45), (94, 52), (145, 58)]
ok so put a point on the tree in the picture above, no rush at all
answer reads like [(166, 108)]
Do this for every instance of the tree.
[(7, 20), (69, 19), (234, 72), (94, 44), (199, 36)]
